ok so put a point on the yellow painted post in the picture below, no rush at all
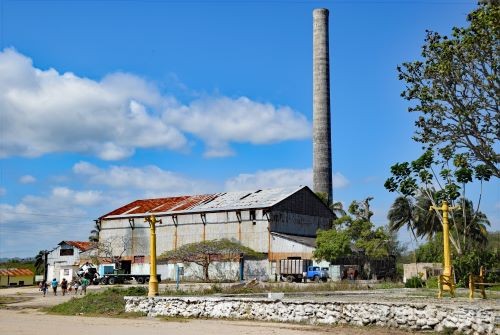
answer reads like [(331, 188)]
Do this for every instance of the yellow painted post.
[(153, 279), (446, 281)]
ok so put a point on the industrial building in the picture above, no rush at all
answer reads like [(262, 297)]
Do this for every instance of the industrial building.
[(279, 222)]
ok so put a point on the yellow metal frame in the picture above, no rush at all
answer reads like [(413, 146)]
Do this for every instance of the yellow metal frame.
[(153, 279), (479, 281), (446, 280)]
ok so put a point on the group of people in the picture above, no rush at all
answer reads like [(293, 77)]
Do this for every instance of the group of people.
[(65, 286)]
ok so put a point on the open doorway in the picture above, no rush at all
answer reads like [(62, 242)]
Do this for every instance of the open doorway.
[(126, 266)]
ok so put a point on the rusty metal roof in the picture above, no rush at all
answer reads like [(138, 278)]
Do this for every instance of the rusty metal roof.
[(16, 272), (83, 246), (205, 203)]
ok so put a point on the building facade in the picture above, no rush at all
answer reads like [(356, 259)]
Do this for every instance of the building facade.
[(280, 223), (16, 277), (65, 259)]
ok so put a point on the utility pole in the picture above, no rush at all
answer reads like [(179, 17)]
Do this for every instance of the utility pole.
[(45, 265), (446, 280), (153, 279)]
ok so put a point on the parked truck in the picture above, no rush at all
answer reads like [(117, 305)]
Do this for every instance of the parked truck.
[(298, 270), (119, 278), (90, 272)]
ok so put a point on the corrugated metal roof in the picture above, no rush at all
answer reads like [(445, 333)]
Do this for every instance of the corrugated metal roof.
[(206, 202), (16, 272), (83, 246)]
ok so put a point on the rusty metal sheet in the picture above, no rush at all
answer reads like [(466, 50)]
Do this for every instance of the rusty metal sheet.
[(81, 245), (206, 202)]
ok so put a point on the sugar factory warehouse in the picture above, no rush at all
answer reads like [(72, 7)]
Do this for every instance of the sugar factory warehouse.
[(278, 222)]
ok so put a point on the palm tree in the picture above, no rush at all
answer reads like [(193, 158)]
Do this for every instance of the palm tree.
[(40, 261), (466, 226), (94, 233), (338, 209), (472, 224)]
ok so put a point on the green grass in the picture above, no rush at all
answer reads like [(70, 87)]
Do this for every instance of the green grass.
[(108, 303), (217, 289)]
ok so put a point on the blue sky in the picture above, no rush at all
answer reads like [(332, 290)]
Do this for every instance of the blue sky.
[(105, 102)]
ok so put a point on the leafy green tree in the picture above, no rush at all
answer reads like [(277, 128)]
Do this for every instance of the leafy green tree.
[(456, 88), (205, 253), (416, 182), (355, 230), (331, 244), (431, 251)]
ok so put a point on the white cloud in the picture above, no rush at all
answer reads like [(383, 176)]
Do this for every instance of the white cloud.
[(62, 214), (278, 178), (27, 179), (339, 181), (149, 180), (221, 120), (110, 118)]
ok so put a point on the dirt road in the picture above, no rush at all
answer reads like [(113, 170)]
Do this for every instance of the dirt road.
[(29, 322)]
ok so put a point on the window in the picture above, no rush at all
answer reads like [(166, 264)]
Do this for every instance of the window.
[(66, 272), (138, 259), (66, 252), (253, 217)]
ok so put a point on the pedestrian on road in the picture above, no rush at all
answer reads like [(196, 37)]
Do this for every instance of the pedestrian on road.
[(76, 284), (85, 283), (64, 286), (54, 283), (44, 287)]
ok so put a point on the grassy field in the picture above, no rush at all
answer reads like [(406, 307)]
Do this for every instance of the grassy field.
[(107, 303)]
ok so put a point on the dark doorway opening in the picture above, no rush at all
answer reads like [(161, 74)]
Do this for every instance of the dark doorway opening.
[(126, 266)]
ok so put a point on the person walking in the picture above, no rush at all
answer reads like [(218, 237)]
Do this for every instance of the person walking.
[(44, 287), (64, 286), (85, 283), (54, 283), (76, 284)]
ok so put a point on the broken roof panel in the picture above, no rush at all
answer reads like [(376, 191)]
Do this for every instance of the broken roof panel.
[(205, 202)]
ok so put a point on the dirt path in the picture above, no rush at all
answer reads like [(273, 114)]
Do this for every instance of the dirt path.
[(29, 322)]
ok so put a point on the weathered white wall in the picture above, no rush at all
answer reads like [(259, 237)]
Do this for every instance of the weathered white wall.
[(464, 319)]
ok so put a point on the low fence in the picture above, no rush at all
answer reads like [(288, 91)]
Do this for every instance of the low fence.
[(430, 317)]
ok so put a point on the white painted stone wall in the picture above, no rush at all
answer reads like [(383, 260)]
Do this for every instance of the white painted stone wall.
[(419, 317)]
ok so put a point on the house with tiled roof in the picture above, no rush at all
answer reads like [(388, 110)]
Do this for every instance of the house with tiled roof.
[(280, 222), (16, 277), (64, 260)]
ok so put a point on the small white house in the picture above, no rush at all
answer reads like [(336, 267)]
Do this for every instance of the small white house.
[(422, 270), (63, 261)]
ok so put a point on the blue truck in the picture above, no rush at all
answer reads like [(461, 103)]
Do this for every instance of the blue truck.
[(298, 270)]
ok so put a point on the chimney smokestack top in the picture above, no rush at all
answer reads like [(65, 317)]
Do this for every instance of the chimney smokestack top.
[(320, 12)]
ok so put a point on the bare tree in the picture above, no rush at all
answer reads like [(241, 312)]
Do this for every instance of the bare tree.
[(206, 252)]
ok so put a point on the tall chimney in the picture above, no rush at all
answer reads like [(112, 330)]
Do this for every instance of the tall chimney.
[(322, 144)]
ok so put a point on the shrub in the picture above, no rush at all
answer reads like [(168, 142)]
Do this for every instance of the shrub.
[(432, 282), (414, 282)]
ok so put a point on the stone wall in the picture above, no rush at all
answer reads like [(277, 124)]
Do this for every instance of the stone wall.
[(463, 319)]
